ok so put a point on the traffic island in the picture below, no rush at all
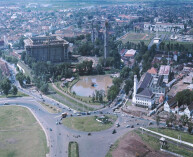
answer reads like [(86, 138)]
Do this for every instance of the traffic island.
[(73, 149), (90, 123)]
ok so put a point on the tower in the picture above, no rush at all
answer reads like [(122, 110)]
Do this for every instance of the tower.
[(106, 41), (134, 90), (92, 32), (135, 86)]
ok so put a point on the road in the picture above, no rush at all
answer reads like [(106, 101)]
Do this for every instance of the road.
[(96, 145)]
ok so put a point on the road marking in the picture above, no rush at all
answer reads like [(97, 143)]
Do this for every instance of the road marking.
[(57, 116)]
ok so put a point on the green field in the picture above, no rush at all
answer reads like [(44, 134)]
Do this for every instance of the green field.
[(73, 150), (50, 108), (137, 37), (155, 143), (20, 134), (26, 69), (89, 124), (19, 94), (173, 133)]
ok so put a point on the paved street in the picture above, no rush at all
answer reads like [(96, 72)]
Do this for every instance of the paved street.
[(96, 145)]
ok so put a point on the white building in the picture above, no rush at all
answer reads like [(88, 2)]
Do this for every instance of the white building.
[(142, 96), (189, 111), (163, 27), (148, 90)]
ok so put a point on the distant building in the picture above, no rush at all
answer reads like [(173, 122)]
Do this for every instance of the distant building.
[(47, 48), (165, 72), (163, 27), (130, 54)]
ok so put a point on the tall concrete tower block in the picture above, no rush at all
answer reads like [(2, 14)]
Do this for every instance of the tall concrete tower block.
[(106, 41)]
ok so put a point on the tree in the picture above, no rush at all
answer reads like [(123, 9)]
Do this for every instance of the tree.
[(28, 80), (184, 120), (190, 127), (128, 86), (44, 88), (5, 86), (117, 81), (14, 90), (20, 77), (125, 72), (157, 120), (93, 97)]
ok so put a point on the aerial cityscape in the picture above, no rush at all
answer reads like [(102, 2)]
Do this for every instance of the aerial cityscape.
[(111, 78)]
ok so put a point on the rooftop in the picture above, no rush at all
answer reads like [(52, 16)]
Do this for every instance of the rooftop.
[(44, 40), (164, 70)]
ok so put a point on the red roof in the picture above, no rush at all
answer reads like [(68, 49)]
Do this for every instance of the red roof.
[(152, 70)]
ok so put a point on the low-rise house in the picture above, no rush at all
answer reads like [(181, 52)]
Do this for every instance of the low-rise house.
[(189, 111), (170, 105)]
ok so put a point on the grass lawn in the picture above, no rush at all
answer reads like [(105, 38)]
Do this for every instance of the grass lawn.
[(50, 108), (20, 134), (19, 94), (137, 37), (26, 69), (173, 133), (155, 143), (73, 150), (89, 124)]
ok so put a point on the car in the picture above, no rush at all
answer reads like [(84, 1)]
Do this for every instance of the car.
[(6, 103), (89, 134), (132, 126), (78, 114), (50, 129), (137, 123), (114, 131), (150, 123), (83, 113), (127, 126)]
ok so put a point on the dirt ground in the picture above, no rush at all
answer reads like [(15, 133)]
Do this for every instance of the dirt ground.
[(132, 146), (177, 88)]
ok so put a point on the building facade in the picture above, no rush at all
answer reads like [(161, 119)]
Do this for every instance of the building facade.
[(47, 48), (148, 90)]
